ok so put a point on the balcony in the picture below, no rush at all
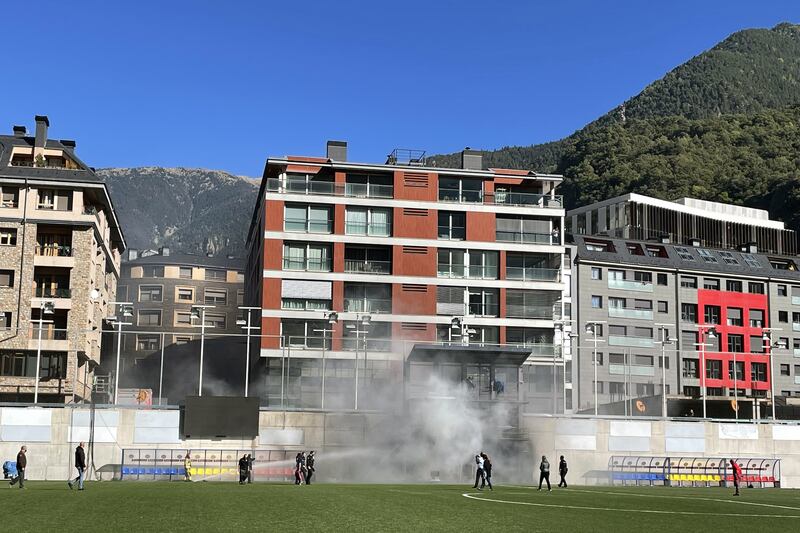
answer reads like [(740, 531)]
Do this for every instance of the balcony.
[(797, 380), (633, 342), (53, 249), (533, 274), (460, 197), (329, 188), (462, 271), (373, 229), (631, 370), (304, 225), (624, 312), (309, 265), (51, 292), (526, 237), (478, 309), (358, 266), (359, 305), (630, 285), (521, 199), (540, 312)]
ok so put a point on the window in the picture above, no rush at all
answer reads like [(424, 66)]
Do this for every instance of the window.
[(599, 361), (643, 305), (597, 273), (54, 199), (759, 372), (663, 307), (692, 391), (706, 255), (184, 294), (368, 221), (656, 251), (661, 279), (785, 370), (616, 359), (150, 293), (377, 297), (751, 261), (304, 333), (756, 344), (755, 288), (452, 226), (711, 284), (690, 368), (185, 273), (689, 313), (756, 318), (311, 257), (597, 302), (684, 253), (735, 343), (147, 342), (733, 286), (783, 316), (714, 391), (215, 321), (216, 297), (152, 271), (5, 320), (728, 258), (643, 360), (478, 264), (8, 237), (9, 196), (688, 282), (307, 218), (616, 274), (634, 249), (782, 290), (23, 364), (739, 370), (642, 333), (300, 304), (149, 317), (643, 277), (796, 318), (714, 369), (6, 278), (484, 302), (183, 318), (712, 314), (735, 316), (213, 274), (662, 361), (182, 339), (240, 297), (467, 190)]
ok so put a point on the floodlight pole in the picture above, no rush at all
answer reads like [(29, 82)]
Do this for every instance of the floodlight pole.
[(248, 328), (767, 338), (331, 317), (202, 326), (41, 321), (664, 341), (161, 370), (123, 309), (591, 328)]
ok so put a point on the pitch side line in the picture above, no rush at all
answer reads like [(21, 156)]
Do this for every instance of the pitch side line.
[(645, 511)]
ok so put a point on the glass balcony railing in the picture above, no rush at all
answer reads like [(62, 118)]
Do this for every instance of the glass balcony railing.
[(630, 285), (633, 342), (533, 274), (308, 226), (483, 309), (359, 305), (623, 312), (796, 352), (526, 237), (49, 292), (313, 265), (329, 188), (500, 198), (631, 370), (447, 270), (375, 229), (461, 197), (541, 312), (367, 266)]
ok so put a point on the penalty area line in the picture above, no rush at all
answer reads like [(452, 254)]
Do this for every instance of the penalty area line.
[(474, 496)]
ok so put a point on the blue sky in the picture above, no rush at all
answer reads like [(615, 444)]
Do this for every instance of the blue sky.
[(225, 84)]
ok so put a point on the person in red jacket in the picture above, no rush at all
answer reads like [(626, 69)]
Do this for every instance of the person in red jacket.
[(737, 475)]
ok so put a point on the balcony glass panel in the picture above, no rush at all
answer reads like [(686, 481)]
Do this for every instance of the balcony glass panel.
[(630, 285), (367, 266), (634, 342), (532, 274), (631, 370), (622, 312)]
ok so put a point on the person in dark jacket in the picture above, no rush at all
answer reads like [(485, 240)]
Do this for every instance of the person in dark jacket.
[(22, 463), (487, 471), (80, 465), (544, 473), (250, 462), (309, 467), (562, 471), (243, 469), (480, 475), (300, 468)]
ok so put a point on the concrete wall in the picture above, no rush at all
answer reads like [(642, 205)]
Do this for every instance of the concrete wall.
[(587, 443)]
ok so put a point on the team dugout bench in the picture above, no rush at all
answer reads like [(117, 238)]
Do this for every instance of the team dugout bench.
[(692, 471), (147, 464)]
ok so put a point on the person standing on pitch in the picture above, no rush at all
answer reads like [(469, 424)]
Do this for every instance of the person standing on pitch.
[(480, 475), (300, 461), (22, 462), (80, 465), (544, 473), (242, 469), (737, 475), (187, 466), (487, 470), (250, 461), (562, 471), (309, 467)]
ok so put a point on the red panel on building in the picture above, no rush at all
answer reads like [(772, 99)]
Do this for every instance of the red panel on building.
[(481, 227)]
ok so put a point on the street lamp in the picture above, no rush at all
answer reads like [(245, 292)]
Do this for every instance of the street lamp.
[(46, 307), (592, 329), (766, 336), (703, 332), (332, 317), (199, 312), (565, 338), (245, 324), (665, 339), (362, 321), (125, 310)]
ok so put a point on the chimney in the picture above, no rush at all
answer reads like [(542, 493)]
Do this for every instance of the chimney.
[(133, 254), (20, 131), (42, 123), (695, 242), (471, 159), (749, 248), (68, 143), (337, 150), (164, 251)]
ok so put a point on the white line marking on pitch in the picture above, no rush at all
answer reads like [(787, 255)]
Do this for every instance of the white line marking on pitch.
[(648, 511)]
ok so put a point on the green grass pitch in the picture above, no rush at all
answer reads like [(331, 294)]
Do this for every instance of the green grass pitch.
[(216, 506)]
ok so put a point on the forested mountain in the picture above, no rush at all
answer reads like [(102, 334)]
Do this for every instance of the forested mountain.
[(189, 209)]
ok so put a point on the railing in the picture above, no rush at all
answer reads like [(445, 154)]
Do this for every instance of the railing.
[(623, 312), (539, 348), (48, 334), (630, 285), (360, 305), (448, 270), (308, 226), (524, 199), (542, 312), (313, 265), (367, 266), (634, 342), (526, 237), (460, 233), (533, 274), (329, 188), (47, 292), (364, 228), (52, 249), (461, 197), (632, 370)]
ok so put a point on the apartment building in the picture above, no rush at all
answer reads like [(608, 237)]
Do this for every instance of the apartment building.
[(411, 259), (164, 287), (60, 246), (718, 310)]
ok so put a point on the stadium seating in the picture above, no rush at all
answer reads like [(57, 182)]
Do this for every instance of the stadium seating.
[(691, 471), (150, 464)]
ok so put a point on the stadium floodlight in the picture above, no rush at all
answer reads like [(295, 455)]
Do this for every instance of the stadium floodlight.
[(248, 328), (126, 310)]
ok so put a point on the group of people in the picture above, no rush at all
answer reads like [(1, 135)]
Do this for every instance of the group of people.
[(246, 469), (304, 468), (483, 473), (544, 473)]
